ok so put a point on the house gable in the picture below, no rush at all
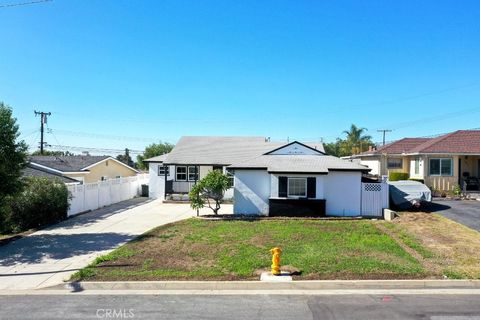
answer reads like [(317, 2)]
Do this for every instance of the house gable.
[(295, 148)]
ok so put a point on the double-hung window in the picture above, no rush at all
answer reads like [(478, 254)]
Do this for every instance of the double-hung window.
[(441, 167), (186, 173), (181, 173), (231, 178), (192, 173), (297, 187), (163, 169)]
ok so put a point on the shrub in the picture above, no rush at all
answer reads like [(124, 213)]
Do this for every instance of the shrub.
[(457, 191), (41, 203), (396, 176)]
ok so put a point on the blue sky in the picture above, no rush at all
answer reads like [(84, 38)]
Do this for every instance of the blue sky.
[(123, 73)]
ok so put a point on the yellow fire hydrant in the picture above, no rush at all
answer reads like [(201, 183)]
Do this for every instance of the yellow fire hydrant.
[(276, 252)]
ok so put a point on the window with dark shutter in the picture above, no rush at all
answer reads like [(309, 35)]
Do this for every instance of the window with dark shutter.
[(311, 187), (282, 187)]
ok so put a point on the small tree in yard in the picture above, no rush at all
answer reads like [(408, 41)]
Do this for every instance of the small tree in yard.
[(211, 188)]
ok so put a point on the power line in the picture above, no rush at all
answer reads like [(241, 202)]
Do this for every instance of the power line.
[(18, 4), (436, 135), (384, 132), (103, 136), (106, 150), (449, 115)]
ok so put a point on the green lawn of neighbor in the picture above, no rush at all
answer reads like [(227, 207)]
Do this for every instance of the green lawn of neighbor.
[(198, 249)]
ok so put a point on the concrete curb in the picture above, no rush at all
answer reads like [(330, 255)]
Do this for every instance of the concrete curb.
[(258, 285)]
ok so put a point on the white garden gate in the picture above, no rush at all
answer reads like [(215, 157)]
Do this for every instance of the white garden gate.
[(374, 199)]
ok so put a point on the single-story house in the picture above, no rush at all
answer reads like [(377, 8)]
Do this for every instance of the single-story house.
[(194, 156), (442, 162), (31, 171), (295, 179), (85, 169)]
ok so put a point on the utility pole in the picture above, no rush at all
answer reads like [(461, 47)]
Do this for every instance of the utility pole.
[(384, 131), (43, 121)]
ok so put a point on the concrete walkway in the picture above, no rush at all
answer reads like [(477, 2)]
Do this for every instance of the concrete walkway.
[(49, 256)]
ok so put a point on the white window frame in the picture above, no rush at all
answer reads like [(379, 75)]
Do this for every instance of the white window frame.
[(177, 173), (231, 178), (194, 173), (161, 173), (440, 167), (288, 187), (395, 167)]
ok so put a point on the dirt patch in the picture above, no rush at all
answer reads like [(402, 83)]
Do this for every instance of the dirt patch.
[(456, 247)]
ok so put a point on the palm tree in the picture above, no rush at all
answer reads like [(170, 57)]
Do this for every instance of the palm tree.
[(357, 141)]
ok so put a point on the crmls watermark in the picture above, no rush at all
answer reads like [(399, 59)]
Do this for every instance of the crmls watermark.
[(115, 313)]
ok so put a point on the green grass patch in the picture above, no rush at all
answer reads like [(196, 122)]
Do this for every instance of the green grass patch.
[(199, 249), (409, 240)]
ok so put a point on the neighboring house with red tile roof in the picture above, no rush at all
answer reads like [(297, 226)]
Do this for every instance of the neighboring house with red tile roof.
[(442, 162)]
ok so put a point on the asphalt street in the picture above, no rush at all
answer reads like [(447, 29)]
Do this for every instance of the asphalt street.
[(263, 306)]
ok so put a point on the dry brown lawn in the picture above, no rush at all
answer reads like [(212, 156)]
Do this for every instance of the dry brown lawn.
[(453, 250)]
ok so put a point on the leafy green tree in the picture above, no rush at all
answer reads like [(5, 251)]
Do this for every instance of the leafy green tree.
[(333, 148), (211, 188), (13, 155), (153, 150), (125, 158)]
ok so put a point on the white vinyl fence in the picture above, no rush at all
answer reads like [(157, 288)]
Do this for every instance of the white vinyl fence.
[(91, 196), (374, 199)]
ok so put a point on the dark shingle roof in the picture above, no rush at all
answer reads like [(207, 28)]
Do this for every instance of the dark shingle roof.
[(67, 164), (37, 172)]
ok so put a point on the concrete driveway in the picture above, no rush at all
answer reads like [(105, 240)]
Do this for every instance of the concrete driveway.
[(49, 256), (466, 212)]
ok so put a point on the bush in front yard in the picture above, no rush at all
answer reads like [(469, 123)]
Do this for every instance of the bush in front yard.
[(396, 176), (41, 203)]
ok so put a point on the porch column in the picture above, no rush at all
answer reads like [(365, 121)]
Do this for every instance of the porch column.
[(165, 186)]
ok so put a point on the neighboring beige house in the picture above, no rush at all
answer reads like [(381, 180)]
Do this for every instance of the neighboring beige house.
[(442, 162), (85, 169)]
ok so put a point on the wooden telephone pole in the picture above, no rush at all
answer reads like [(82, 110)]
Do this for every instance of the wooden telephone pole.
[(43, 121)]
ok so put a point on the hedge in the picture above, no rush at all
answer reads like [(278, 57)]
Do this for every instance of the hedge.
[(396, 176), (42, 202)]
